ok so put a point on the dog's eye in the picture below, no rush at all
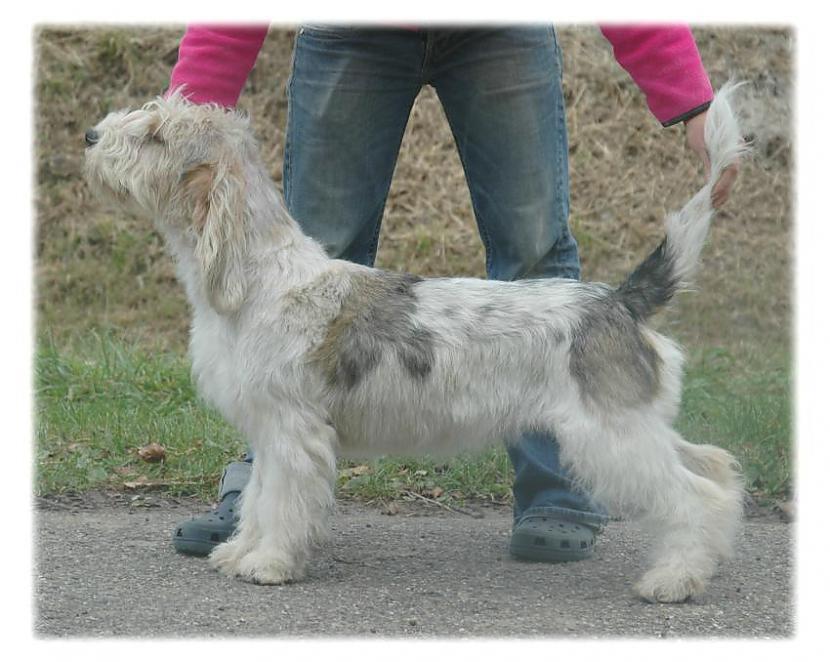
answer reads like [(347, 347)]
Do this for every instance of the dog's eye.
[(154, 138)]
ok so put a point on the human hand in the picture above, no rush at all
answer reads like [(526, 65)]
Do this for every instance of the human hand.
[(694, 139)]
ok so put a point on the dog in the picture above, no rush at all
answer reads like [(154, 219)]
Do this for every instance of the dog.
[(311, 357)]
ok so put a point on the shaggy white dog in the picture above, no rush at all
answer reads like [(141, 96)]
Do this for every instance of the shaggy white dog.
[(311, 357)]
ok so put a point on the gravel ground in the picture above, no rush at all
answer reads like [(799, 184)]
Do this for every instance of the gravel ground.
[(105, 568)]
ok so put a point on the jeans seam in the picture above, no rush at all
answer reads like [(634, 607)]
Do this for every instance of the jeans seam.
[(428, 43), (286, 169), (482, 229), (373, 246), (562, 149)]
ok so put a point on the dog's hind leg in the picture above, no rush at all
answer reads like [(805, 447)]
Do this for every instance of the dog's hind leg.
[(632, 466), (293, 476), (697, 527)]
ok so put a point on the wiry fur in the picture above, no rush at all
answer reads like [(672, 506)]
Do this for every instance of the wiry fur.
[(310, 357)]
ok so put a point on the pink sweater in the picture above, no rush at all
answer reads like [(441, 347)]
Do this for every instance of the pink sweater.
[(214, 63)]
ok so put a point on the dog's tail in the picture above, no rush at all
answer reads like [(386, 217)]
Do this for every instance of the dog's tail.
[(711, 462), (672, 264)]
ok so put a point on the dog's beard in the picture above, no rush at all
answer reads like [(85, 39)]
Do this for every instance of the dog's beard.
[(112, 193), (116, 199)]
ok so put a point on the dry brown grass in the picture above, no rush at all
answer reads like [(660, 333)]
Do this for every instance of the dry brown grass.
[(96, 271)]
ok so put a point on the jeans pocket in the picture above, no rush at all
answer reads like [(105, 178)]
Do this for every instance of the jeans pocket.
[(326, 32)]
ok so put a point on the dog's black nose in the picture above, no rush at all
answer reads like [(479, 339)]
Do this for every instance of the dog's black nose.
[(90, 137)]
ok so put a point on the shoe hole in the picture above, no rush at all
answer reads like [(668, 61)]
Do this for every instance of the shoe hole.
[(565, 544), (178, 533), (583, 545), (214, 537), (222, 518), (539, 541)]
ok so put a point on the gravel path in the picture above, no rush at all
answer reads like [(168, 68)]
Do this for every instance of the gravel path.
[(105, 567)]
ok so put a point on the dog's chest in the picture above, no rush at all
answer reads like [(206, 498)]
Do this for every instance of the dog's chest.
[(216, 368)]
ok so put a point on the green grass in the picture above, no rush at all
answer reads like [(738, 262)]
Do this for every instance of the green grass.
[(97, 405), (743, 404), (99, 401)]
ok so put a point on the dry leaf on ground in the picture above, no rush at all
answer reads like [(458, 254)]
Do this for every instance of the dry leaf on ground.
[(152, 452)]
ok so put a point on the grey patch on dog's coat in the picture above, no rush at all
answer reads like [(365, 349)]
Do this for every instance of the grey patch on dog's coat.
[(611, 359), (375, 318), (557, 336), (449, 312), (416, 351), (486, 310)]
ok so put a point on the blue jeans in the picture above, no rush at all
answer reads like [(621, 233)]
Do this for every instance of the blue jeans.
[(349, 97)]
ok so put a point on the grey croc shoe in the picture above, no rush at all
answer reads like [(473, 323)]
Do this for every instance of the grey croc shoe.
[(551, 540), (199, 535)]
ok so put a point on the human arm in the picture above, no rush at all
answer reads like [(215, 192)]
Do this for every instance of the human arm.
[(665, 63), (215, 61)]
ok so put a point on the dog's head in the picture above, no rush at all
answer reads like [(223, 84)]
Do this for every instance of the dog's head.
[(181, 164)]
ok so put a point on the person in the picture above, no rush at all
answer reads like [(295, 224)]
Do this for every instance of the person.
[(350, 92)]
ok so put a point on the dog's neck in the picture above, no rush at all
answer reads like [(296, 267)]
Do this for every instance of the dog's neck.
[(274, 243), (267, 218), (270, 228)]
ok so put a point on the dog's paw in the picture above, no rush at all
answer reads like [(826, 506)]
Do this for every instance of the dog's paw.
[(226, 556), (667, 585), (257, 567)]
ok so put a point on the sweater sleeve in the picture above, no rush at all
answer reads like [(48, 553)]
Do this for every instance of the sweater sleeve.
[(665, 64), (214, 61)]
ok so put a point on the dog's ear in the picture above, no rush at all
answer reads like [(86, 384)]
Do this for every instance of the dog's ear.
[(217, 195)]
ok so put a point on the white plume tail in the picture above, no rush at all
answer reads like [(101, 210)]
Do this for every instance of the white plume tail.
[(672, 265)]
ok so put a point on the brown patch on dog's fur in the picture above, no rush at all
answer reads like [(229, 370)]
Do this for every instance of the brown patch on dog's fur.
[(197, 184), (154, 127)]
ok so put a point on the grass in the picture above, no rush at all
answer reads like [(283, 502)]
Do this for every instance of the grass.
[(744, 404), (98, 405), (103, 399)]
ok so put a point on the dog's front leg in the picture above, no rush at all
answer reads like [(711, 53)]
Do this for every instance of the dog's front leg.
[(285, 505)]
